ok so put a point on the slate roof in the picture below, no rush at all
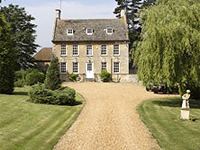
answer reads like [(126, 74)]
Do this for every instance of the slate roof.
[(44, 55), (98, 25)]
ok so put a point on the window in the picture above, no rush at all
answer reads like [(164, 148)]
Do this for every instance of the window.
[(89, 50), (75, 67), (103, 49), (103, 66), (63, 67), (109, 30), (70, 31), (63, 51), (116, 49), (75, 50), (89, 31), (116, 67)]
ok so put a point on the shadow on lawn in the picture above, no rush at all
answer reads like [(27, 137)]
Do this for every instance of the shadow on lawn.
[(20, 93), (195, 104)]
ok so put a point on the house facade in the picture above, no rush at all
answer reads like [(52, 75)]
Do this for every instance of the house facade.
[(86, 47)]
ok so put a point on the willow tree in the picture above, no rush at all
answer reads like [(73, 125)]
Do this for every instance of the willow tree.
[(169, 52)]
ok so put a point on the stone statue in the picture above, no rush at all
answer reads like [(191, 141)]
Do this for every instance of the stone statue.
[(185, 109)]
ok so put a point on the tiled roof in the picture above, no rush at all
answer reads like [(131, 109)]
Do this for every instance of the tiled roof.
[(98, 25), (44, 54)]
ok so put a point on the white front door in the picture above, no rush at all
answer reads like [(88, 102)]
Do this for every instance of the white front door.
[(89, 71)]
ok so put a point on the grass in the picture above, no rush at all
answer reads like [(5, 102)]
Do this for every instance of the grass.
[(28, 126), (162, 117)]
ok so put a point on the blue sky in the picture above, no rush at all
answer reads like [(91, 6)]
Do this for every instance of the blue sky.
[(44, 12)]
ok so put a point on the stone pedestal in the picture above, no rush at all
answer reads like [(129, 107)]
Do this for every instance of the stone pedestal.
[(185, 114)]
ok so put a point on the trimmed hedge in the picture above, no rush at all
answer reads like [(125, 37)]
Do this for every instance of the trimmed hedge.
[(39, 94)]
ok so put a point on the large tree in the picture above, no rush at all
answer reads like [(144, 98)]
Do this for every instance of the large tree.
[(23, 33), (169, 52), (7, 57)]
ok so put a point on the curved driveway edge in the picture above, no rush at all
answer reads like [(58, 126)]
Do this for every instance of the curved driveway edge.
[(109, 120)]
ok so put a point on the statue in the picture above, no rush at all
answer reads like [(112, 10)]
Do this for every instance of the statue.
[(185, 106)]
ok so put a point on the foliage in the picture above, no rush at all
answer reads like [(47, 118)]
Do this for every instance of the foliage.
[(34, 77), (19, 83), (73, 77), (23, 33), (162, 117), (52, 80), (105, 76), (7, 57), (35, 122), (169, 52), (39, 94)]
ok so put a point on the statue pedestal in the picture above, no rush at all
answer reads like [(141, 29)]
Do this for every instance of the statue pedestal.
[(185, 113)]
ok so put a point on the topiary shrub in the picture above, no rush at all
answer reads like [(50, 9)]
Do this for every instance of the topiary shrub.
[(34, 77), (105, 76), (52, 80), (73, 77), (39, 94)]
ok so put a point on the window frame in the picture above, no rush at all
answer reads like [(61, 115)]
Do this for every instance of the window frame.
[(75, 72), (70, 33), (75, 55), (103, 67), (89, 29), (63, 48), (89, 49), (111, 29), (115, 50), (61, 68), (104, 49), (114, 67)]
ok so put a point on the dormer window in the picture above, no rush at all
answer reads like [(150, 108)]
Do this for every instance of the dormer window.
[(70, 31), (109, 30), (89, 31)]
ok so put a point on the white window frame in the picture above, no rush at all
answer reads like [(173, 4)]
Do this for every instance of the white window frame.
[(114, 68), (104, 49), (70, 32), (89, 33), (89, 49), (74, 49), (77, 67), (114, 50), (61, 68), (107, 30), (63, 48), (104, 68)]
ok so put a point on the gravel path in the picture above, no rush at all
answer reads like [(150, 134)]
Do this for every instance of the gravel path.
[(109, 120)]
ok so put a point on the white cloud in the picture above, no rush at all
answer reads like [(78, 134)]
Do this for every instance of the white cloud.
[(45, 16)]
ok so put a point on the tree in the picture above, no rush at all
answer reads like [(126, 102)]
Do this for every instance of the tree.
[(7, 57), (52, 80), (169, 52), (23, 33)]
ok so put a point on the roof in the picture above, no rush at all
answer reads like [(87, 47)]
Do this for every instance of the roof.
[(44, 54), (98, 25)]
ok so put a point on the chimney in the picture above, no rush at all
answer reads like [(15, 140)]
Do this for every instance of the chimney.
[(58, 14), (123, 15)]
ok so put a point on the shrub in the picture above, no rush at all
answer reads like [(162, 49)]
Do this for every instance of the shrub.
[(52, 80), (73, 77), (19, 83), (39, 94), (105, 76), (34, 77)]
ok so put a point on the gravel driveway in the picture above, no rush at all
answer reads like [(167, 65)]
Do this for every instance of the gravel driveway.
[(109, 120)]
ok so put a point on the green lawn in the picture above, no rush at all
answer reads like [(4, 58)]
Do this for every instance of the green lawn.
[(28, 126), (162, 119)]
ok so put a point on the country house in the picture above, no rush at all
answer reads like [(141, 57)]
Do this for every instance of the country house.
[(88, 46)]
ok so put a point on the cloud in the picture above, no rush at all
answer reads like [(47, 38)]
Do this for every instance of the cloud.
[(45, 16)]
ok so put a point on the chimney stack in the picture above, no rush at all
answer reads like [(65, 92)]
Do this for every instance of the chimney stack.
[(123, 15), (58, 14)]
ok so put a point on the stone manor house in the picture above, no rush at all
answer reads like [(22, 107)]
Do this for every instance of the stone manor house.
[(88, 46)]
